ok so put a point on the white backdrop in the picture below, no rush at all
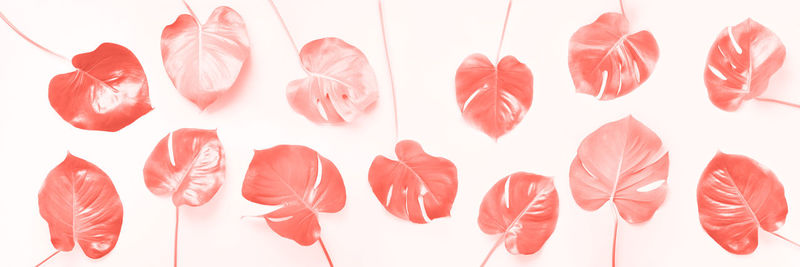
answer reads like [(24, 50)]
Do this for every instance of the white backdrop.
[(428, 40)]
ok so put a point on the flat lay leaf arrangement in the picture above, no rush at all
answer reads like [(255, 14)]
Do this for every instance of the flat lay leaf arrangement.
[(623, 164)]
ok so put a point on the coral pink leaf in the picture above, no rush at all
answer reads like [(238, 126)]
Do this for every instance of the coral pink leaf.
[(740, 63), (607, 61), (107, 91), (79, 203), (417, 187), (523, 208), (625, 162), (340, 84), (735, 196), (302, 181), (493, 99), (203, 61), (188, 164)]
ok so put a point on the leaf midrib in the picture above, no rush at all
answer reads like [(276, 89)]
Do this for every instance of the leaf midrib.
[(421, 180), (187, 170), (295, 193), (323, 76), (610, 50), (741, 198), (521, 214)]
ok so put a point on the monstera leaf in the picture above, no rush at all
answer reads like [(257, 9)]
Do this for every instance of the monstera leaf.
[(189, 166), (495, 99), (740, 63), (735, 197), (204, 61), (523, 209), (625, 164), (80, 203), (303, 182), (106, 92), (340, 84), (417, 187), (607, 61)]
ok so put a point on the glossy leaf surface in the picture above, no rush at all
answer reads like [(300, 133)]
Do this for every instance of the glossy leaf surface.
[(607, 61), (523, 208), (495, 99), (625, 162), (203, 61), (340, 85), (107, 91), (735, 196), (79, 203), (417, 187), (740, 63), (188, 164), (303, 182)]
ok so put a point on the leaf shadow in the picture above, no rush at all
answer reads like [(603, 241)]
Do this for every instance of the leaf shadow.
[(527, 260), (780, 84), (259, 229)]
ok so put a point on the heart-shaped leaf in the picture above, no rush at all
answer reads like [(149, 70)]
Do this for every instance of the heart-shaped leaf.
[(624, 162), (302, 181), (607, 61), (79, 203), (417, 187), (523, 208), (203, 61), (493, 99), (740, 63), (340, 84), (735, 196), (107, 91), (188, 164)]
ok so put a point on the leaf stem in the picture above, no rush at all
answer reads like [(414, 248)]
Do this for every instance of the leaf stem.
[(48, 258), (503, 34), (622, 8), (325, 250), (191, 12), (175, 246), (288, 34), (778, 102), (787, 240), (3, 17), (389, 66), (614, 244), (496, 244)]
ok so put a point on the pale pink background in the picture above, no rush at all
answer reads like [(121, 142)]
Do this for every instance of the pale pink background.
[(428, 40)]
